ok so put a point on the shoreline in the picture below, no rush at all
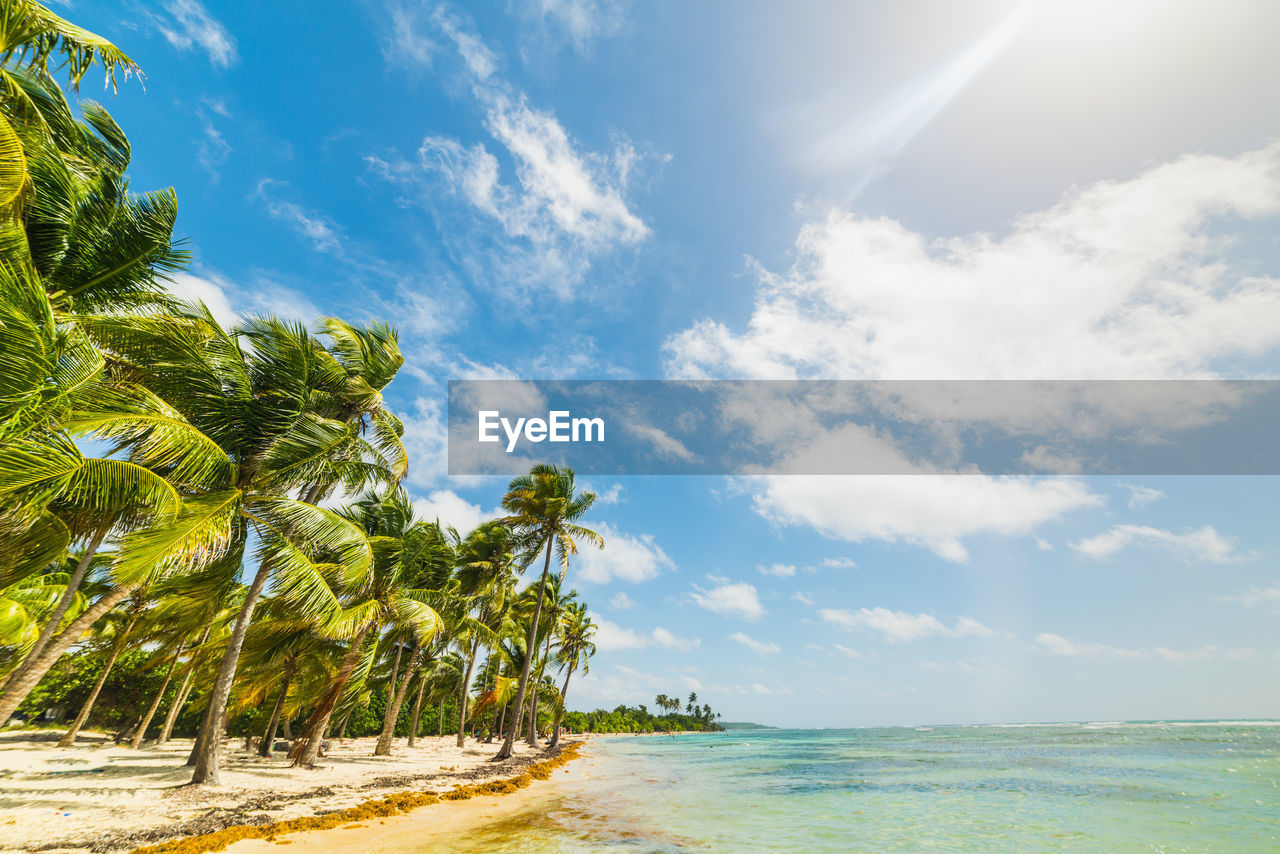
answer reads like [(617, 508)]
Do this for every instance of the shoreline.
[(112, 800)]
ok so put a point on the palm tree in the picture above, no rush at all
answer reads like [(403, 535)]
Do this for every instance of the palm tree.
[(486, 574), (265, 395), (544, 513), (410, 559), (554, 606), (576, 648)]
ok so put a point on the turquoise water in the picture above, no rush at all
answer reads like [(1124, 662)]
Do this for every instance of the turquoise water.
[(1087, 787)]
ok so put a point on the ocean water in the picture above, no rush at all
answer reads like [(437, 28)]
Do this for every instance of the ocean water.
[(1163, 787)]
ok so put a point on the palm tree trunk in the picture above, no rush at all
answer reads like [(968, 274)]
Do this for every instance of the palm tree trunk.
[(509, 743), (184, 690), (342, 727), (383, 747), (141, 731), (466, 693), (533, 710), (64, 604), (18, 689), (440, 734), (264, 749), (69, 738), (305, 753), (564, 692), (417, 712), (502, 718), (210, 740)]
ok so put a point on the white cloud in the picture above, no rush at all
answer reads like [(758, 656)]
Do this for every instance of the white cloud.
[(405, 41), (839, 563), (802, 597), (191, 25), (454, 511), (620, 601), (899, 626), (1121, 279), (758, 647), (1140, 495), (1052, 644), (778, 570), (612, 637), (847, 652), (1255, 595), (211, 290), (1204, 544), (581, 21), (934, 511), (611, 495), (624, 558), (228, 301), (731, 599), (566, 206), (322, 232), (212, 150)]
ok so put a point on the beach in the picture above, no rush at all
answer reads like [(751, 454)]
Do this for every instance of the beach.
[(105, 798)]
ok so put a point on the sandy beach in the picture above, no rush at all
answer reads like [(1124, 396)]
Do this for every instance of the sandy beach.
[(105, 798)]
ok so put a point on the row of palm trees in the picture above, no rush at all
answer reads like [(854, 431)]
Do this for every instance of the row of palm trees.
[(170, 484)]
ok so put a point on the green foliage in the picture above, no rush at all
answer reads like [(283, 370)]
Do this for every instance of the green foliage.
[(129, 689), (637, 719)]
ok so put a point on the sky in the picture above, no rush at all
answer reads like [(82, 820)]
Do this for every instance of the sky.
[(602, 189)]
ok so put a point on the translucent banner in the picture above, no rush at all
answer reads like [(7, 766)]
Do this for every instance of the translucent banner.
[(999, 427)]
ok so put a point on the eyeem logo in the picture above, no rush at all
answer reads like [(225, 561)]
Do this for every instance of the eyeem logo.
[(556, 427)]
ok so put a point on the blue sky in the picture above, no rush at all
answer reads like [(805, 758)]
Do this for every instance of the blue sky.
[(599, 189)]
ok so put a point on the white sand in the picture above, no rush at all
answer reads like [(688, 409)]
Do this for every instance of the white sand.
[(57, 799)]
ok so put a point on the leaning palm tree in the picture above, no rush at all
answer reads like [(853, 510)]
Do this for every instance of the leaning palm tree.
[(544, 513), (486, 575), (407, 556), (263, 395), (577, 645)]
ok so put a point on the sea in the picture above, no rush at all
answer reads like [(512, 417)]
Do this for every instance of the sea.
[(1106, 787)]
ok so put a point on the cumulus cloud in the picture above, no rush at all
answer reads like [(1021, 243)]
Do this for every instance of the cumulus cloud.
[(190, 25), (1052, 644), (1120, 279), (625, 557), (756, 646), (454, 511), (611, 637), (620, 601), (730, 599), (900, 626), (1201, 544), (934, 511)]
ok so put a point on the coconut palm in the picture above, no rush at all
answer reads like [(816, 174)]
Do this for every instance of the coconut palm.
[(411, 560), (576, 648), (544, 514), (486, 574)]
